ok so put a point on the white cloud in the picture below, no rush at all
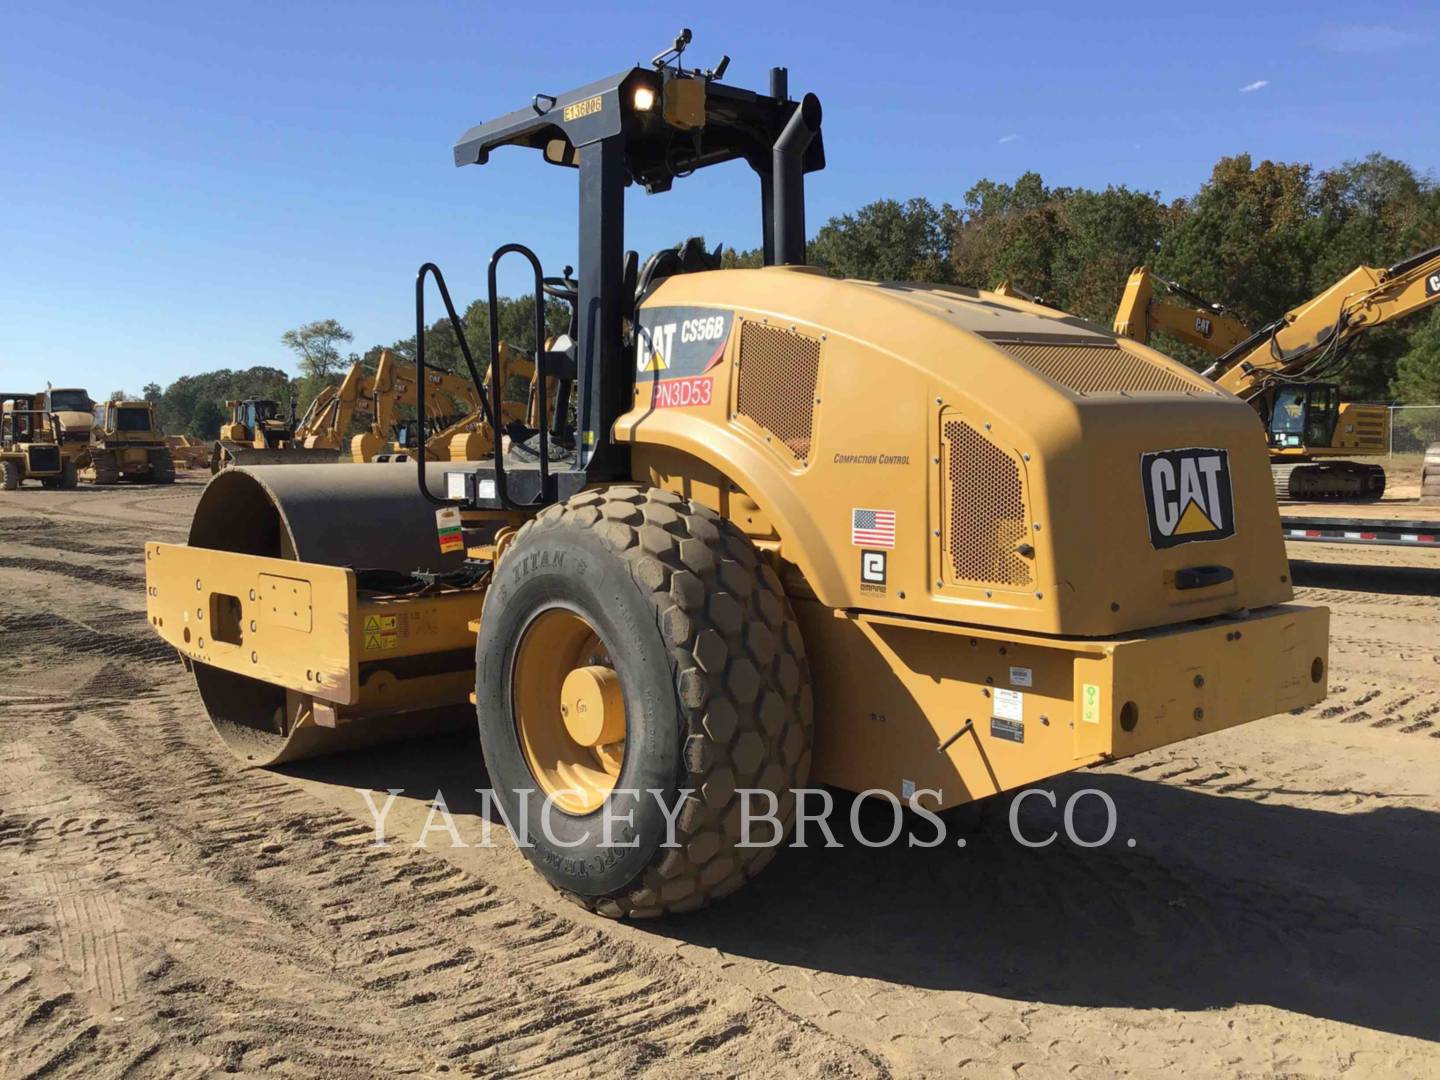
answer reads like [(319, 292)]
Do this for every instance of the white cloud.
[(1258, 84), (1007, 138)]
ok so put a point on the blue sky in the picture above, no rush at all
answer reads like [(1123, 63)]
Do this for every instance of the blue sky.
[(180, 183)]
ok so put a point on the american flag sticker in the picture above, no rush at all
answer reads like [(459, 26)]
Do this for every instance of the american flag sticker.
[(872, 528)]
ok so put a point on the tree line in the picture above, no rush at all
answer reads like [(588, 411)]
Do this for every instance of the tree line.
[(1256, 238)]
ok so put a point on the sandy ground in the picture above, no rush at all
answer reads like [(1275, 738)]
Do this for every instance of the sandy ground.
[(163, 912)]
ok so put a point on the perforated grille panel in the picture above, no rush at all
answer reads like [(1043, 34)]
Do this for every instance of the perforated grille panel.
[(775, 385), (1099, 369), (984, 511)]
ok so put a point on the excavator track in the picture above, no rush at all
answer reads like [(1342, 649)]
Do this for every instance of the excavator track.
[(1322, 481)]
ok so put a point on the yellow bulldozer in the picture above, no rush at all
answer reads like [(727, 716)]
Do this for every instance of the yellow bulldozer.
[(913, 540), (126, 443), (258, 432), (1281, 369)]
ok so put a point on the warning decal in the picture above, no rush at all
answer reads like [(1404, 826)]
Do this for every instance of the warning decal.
[(1187, 496), (447, 528), (380, 632)]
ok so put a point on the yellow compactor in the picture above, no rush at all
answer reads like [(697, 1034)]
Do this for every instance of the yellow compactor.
[(794, 531)]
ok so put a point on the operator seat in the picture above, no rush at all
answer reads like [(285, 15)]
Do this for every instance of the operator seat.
[(687, 258)]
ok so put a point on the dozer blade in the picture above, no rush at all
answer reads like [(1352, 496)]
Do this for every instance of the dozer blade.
[(299, 455)]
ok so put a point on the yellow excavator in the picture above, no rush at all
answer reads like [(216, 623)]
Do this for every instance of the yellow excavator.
[(456, 425), (911, 540), (1281, 369)]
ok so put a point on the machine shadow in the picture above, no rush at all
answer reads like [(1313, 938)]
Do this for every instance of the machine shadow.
[(1395, 580), (1222, 900)]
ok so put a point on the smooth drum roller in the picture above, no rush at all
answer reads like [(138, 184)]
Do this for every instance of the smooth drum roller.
[(336, 664)]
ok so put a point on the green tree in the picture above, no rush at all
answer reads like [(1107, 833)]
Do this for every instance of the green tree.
[(153, 393), (1417, 374), (205, 424), (183, 397), (1009, 232), (885, 241), (317, 346), (730, 259), (1246, 240), (1104, 235), (1371, 212)]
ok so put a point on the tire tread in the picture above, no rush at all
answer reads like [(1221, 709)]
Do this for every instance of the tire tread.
[(734, 647)]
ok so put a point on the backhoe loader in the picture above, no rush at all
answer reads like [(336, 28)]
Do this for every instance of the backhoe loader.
[(917, 540), (29, 449), (1280, 368)]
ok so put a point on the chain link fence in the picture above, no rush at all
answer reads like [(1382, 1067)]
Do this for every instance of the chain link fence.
[(1413, 428)]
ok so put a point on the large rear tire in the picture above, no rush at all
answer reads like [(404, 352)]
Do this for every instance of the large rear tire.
[(9, 475), (642, 590), (69, 476)]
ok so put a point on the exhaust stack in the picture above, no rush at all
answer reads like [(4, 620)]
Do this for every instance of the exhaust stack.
[(788, 181)]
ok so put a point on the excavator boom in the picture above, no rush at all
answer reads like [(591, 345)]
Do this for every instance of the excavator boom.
[(1321, 328), (1151, 304)]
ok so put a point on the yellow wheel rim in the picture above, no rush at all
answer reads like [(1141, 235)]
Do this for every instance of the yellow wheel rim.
[(569, 710)]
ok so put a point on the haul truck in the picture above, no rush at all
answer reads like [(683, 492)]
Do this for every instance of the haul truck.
[(874, 535), (74, 413)]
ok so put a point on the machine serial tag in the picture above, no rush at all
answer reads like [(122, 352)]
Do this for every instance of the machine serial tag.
[(1010, 730)]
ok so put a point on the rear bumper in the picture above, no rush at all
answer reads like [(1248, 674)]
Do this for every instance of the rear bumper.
[(969, 713)]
